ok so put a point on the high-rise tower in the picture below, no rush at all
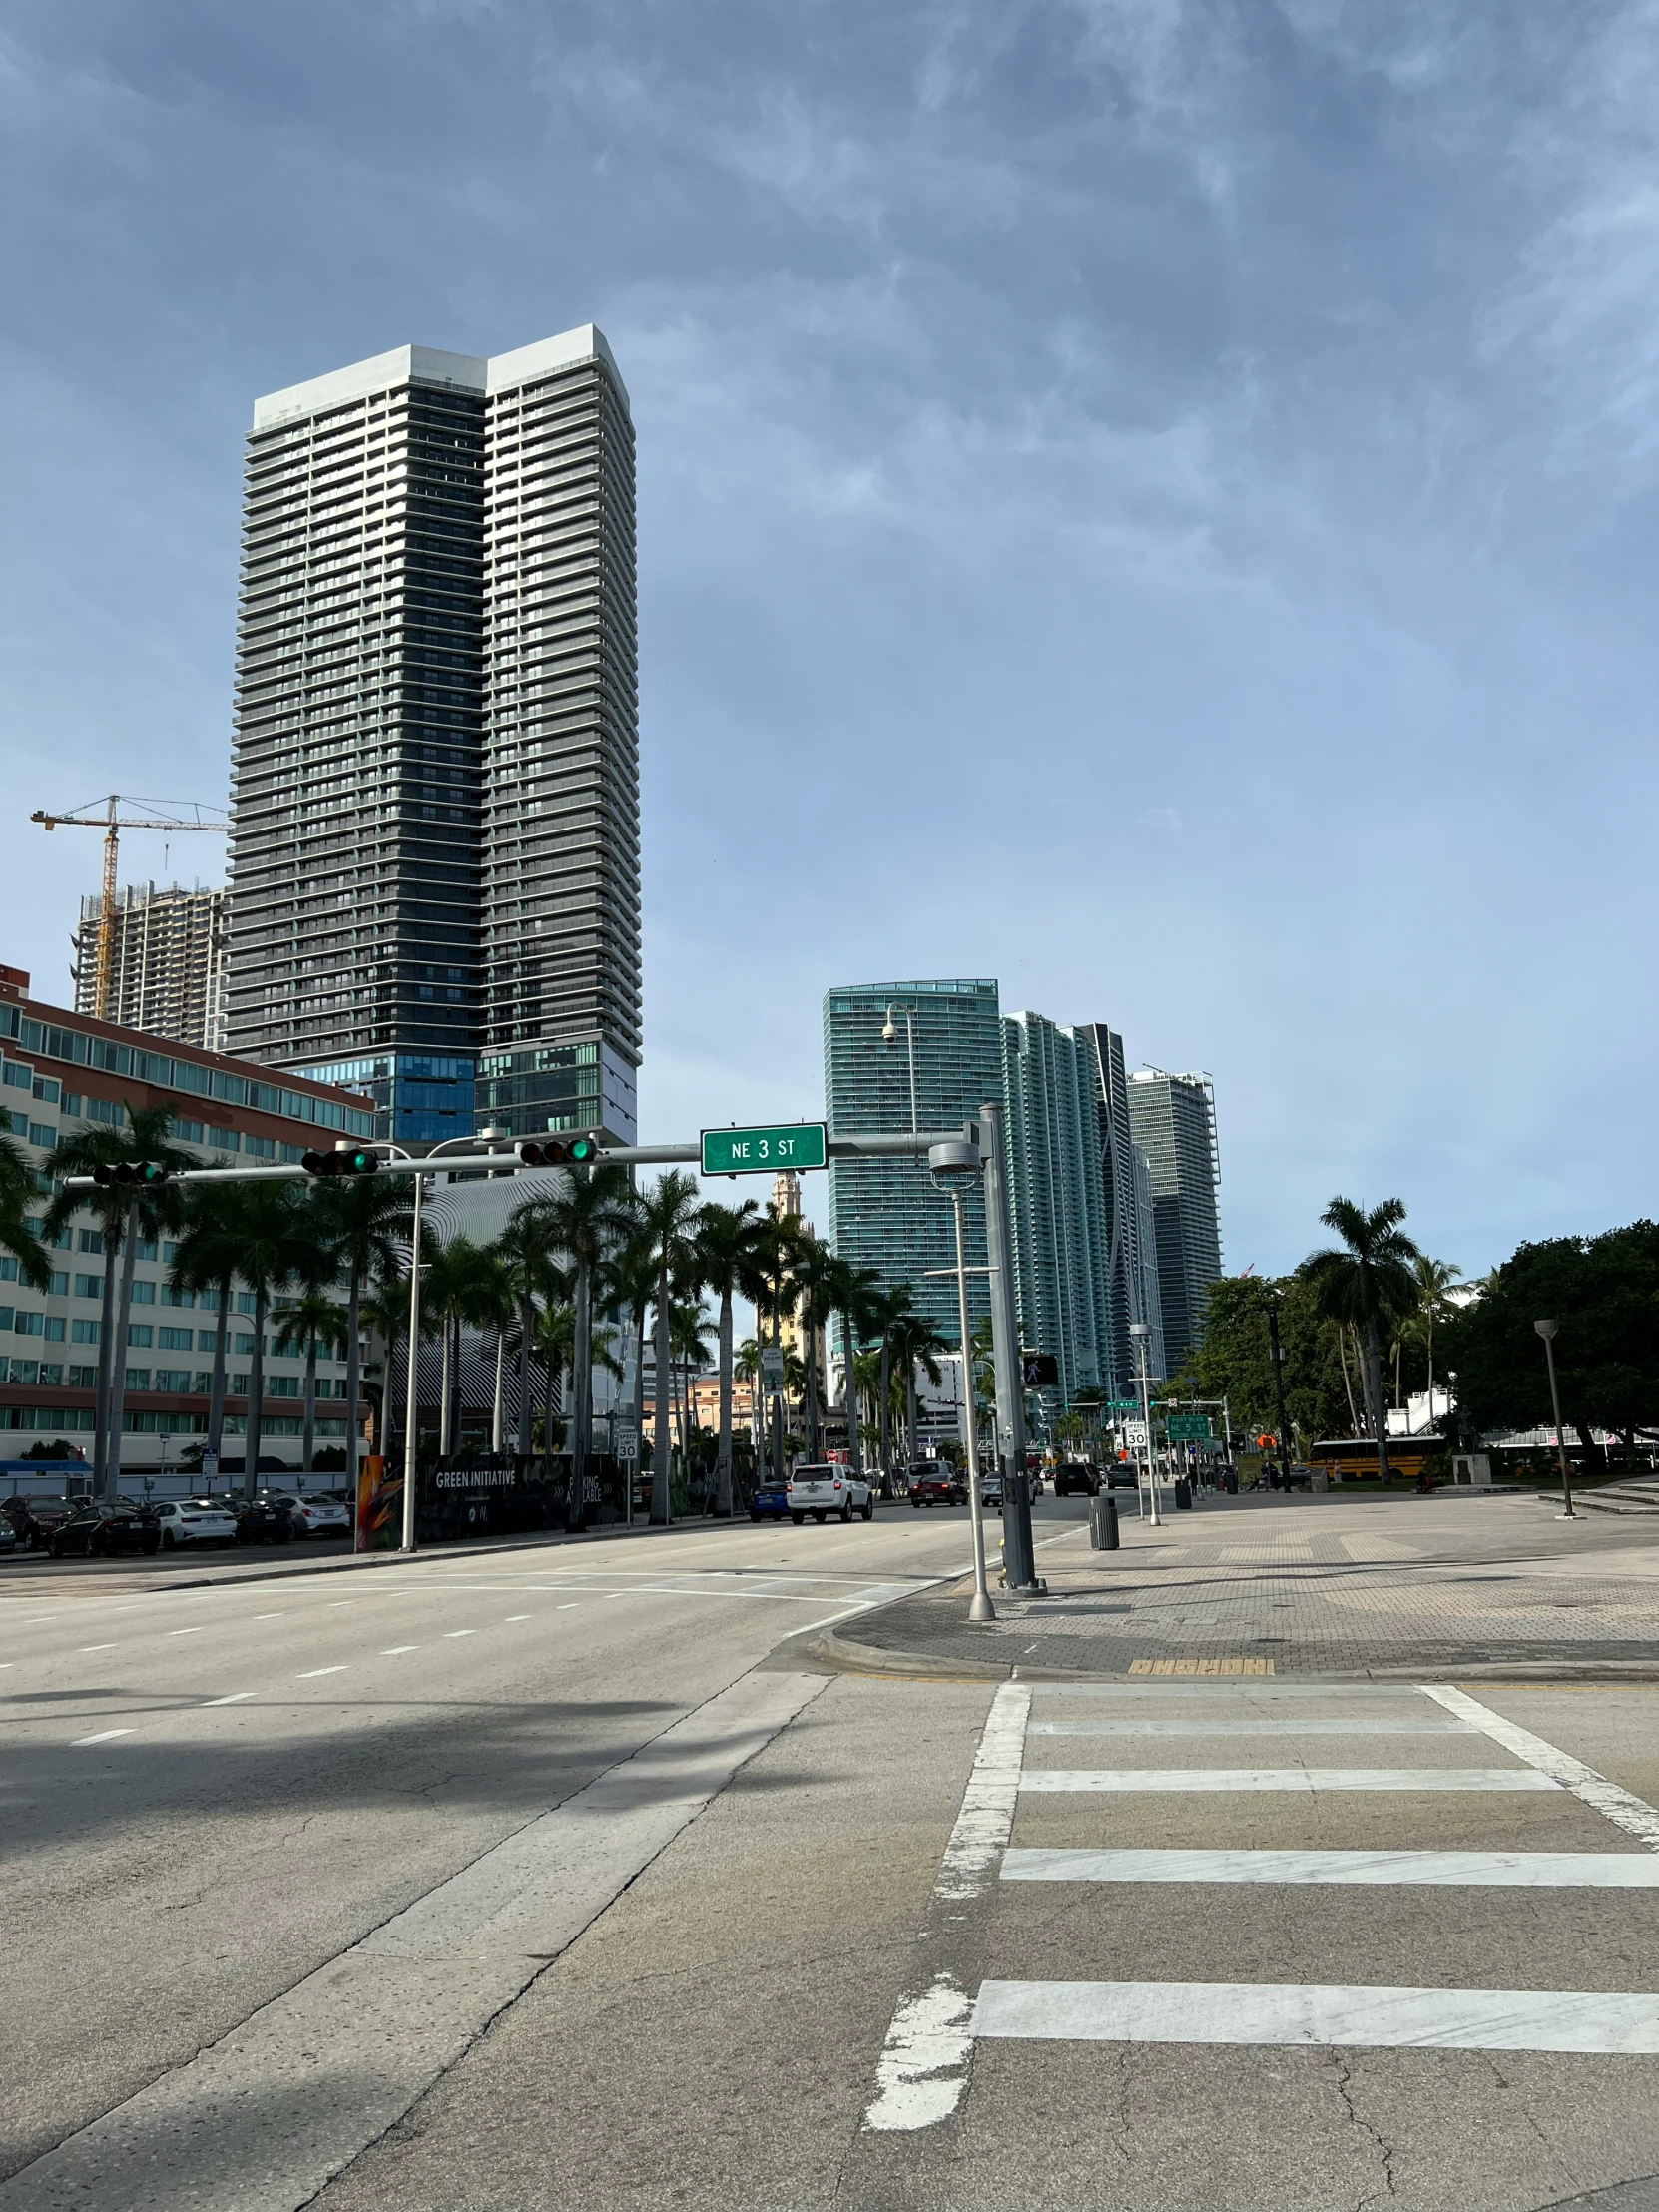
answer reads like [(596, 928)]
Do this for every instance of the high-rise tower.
[(434, 861), (1172, 1119)]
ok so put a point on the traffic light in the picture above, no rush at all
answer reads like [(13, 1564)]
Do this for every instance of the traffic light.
[(557, 1152), (1042, 1369), (347, 1160), (147, 1174)]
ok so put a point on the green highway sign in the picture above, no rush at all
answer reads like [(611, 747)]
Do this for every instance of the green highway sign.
[(795, 1144), (1188, 1428)]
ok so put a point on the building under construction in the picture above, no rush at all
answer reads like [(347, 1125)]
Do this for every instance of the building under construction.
[(167, 964)]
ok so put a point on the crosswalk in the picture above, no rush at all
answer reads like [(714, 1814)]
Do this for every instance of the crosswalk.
[(1178, 1808)]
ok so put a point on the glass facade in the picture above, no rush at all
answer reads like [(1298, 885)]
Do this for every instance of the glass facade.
[(1173, 1121), (419, 1097), (886, 1213)]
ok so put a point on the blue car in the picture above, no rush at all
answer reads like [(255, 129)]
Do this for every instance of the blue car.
[(769, 1502)]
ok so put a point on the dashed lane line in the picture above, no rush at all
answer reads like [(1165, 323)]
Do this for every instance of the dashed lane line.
[(511, 1617), (396, 1651), (237, 1697), (104, 1736), (450, 1634), (85, 1648), (310, 1674)]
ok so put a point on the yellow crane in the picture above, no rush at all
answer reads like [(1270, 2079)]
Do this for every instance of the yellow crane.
[(106, 814)]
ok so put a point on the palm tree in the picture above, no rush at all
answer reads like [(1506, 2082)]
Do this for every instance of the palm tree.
[(313, 1319), (853, 1293), (127, 1212), (529, 1273), (18, 1236), (668, 1224), (1367, 1281), (384, 1310), (361, 1219), (586, 1221), (630, 1287), (727, 1245), (1436, 1279), (916, 1342), (817, 1278), (274, 1245), (778, 1240), (449, 1290), (690, 1352), (204, 1268), (490, 1308), (887, 1310)]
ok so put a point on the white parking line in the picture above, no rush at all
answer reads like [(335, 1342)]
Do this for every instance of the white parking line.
[(1496, 1870), (311, 1673), (106, 1736), (1298, 1779), (236, 1698), (1291, 2013)]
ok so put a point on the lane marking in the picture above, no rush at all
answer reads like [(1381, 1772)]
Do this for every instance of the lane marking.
[(1253, 1728), (570, 1608), (416, 1993), (923, 2067), (311, 1673), (236, 1698), (186, 1631), (396, 1651), (1496, 1870), (1296, 1778), (1633, 1814), (97, 1647), (511, 1617), (450, 1634), (1288, 2013), (105, 1736), (270, 1616)]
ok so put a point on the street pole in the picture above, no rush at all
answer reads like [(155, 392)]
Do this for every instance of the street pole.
[(1141, 1330), (411, 1417), (1277, 1351), (1546, 1329), (1019, 1559), (981, 1608)]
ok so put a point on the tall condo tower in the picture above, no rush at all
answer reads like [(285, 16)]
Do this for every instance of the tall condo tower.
[(1172, 1119), (434, 859)]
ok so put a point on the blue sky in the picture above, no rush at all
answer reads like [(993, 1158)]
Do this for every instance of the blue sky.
[(1151, 500)]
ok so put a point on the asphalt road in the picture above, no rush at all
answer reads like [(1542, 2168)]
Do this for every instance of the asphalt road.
[(569, 1878)]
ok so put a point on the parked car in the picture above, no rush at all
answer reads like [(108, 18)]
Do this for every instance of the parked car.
[(937, 1487), (990, 1492), (8, 1536), (824, 1489), (104, 1525), (265, 1520), (33, 1520), (196, 1520), (1074, 1475), (320, 1515), (769, 1502)]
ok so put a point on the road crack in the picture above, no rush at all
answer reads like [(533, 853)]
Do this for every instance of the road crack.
[(1385, 2149)]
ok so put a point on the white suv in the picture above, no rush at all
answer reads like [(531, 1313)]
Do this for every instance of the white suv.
[(826, 1489)]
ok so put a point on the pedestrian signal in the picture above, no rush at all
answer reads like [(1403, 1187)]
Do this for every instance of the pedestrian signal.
[(1041, 1369)]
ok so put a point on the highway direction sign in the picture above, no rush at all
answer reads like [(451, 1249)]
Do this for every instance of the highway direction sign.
[(791, 1146), (1189, 1428)]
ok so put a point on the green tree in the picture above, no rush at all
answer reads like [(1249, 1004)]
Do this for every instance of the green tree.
[(275, 1243), (667, 1231), (817, 1278), (128, 1214), (852, 1295), (1603, 1292), (726, 1244), (1232, 1360), (886, 1308), (449, 1290), (587, 1221), (521, 1252), (915, 1344), (1366, 1282), (361, 1220), (203, 1269), (303, 1325), (19, 1236)]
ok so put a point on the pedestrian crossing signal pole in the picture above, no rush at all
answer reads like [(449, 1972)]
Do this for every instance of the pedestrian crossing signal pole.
[(1141, 1330), (1020, 1558)]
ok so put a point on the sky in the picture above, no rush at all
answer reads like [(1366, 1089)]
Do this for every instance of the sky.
[(1149, 500)]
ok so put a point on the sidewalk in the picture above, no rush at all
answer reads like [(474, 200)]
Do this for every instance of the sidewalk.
[(1436, 1588)]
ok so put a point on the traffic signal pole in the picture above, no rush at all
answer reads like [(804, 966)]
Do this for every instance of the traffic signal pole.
[(1020, 1558)]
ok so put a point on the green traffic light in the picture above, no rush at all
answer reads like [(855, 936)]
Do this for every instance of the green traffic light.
[(581, 1149)]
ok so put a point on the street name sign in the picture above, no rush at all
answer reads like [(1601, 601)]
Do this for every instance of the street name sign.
[(789, 1147), (1189, 1428)]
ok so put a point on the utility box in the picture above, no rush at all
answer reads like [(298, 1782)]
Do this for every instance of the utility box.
[(1473, 1471)]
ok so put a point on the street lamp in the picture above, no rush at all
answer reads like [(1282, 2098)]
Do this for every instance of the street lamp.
[(954, 1165), (890, 1035), (1141, 1330), (1546, 1329)]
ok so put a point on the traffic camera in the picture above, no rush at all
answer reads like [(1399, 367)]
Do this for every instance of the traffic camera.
[(344, 1159)]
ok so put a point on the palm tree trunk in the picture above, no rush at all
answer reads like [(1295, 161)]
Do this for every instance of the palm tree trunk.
[(911, 1423), (353, 1387), (444, 1396), (498, 1420), (256, 1399), (307, 1442), (722, 1454), (1348, 1387), (106, 1367), (881, 1410), (660, 1504), (1374, 1361), (117, 1350), (526, 1320), (850, 1396), (809, 1340), (582, 1377)]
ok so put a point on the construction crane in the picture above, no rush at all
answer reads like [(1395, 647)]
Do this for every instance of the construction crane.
[(106, 814)]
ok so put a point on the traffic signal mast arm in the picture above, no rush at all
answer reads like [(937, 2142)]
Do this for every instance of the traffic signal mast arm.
[(514, 1156)]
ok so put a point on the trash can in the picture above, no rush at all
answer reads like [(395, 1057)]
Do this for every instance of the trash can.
[(1183, 1494), (1230, 1483), (1103, 1522)]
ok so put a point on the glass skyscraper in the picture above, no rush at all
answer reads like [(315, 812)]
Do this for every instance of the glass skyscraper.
[(1173, 1121), (434, 860), (942, 1062)]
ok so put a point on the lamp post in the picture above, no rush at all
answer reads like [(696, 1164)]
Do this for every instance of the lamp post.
[(1277, 1351), (1141, 1330), (890, 1035), (1546, 1329), (952, 1166)]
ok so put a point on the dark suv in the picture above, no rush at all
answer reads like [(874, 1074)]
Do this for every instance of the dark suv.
[(104, 1525), (1076, 1474)]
